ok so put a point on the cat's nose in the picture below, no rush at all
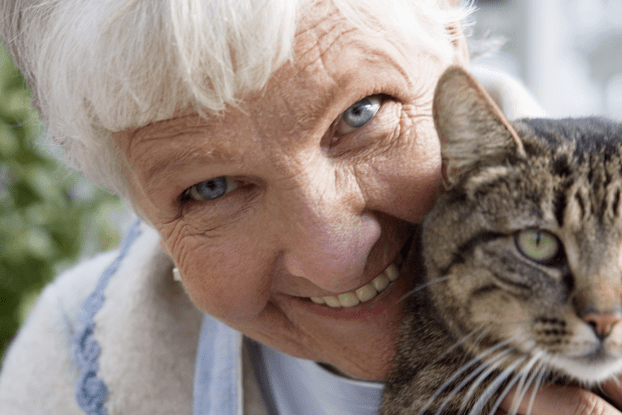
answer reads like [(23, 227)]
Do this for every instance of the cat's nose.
[(602, 323)]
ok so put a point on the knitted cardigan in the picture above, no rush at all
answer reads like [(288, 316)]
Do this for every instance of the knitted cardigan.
[(116, 328)]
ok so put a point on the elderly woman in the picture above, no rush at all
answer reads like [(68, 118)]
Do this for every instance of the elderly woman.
[(279, 155)]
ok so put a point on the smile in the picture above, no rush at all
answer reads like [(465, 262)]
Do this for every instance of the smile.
[(364, 293)]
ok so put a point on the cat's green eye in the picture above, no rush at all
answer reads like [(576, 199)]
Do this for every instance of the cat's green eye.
[(537, 245)]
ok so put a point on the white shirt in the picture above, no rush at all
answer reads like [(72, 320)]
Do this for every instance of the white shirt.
[(303, 387)]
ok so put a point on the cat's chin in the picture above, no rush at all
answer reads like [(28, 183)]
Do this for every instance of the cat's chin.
[(590, 370)]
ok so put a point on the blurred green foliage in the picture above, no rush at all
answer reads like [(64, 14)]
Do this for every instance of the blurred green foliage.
[(49, 216)]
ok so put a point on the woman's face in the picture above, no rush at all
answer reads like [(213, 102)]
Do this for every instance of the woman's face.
[(308, 190)]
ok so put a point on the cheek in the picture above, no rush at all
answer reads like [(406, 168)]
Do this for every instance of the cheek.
[(423, 166), (226, 277), (405, 181)]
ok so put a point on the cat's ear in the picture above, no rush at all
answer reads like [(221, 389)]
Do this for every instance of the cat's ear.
[(469, 124)]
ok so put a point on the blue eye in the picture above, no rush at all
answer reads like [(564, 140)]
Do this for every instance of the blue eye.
[(211, 189), (359, 114)]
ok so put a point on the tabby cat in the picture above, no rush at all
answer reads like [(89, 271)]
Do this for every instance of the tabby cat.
[(522, 257)]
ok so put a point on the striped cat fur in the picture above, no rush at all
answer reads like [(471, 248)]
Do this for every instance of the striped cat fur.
[(522, 260)]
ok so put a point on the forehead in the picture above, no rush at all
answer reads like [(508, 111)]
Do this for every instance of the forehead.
[(329, 45), (334, 64)]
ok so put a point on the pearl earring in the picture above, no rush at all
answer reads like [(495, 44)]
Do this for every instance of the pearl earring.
[(176, 275)]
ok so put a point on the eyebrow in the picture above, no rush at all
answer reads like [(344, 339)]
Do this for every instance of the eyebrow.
[(156, 177), (201, 128), (173, 156), (176, 159)]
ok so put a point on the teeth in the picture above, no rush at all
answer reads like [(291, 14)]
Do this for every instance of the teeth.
[(366, 293), (348, 299), (380, 283), (392, 272), (363, 294), (332, 301)]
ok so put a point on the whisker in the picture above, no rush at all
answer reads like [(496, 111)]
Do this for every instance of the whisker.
[(462, 369), (424, 285), (458, 344), (518, 376), (477, 383), (479, 405), (523, 386), (492, 367), (460, 386), (535, 390), (520, 395)]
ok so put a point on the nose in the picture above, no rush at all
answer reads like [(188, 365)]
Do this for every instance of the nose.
[(328, 234), (331, 251), (602, 324), (598, 293)]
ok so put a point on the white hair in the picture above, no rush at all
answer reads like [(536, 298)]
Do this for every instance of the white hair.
[(96, 67)]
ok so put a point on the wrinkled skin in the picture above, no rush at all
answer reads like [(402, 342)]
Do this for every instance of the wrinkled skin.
[(319, 210)]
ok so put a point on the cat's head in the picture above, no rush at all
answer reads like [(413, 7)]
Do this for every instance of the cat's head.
[(524, 247)]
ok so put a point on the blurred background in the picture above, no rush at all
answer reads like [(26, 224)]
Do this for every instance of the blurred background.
[(567, 52), (49, 217)]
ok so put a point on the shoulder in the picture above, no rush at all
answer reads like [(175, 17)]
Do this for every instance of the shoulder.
[(138, 320), (38, 371)]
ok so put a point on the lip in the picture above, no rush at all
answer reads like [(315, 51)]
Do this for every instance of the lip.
[(363, 293), (378, 305), (391, 297)]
